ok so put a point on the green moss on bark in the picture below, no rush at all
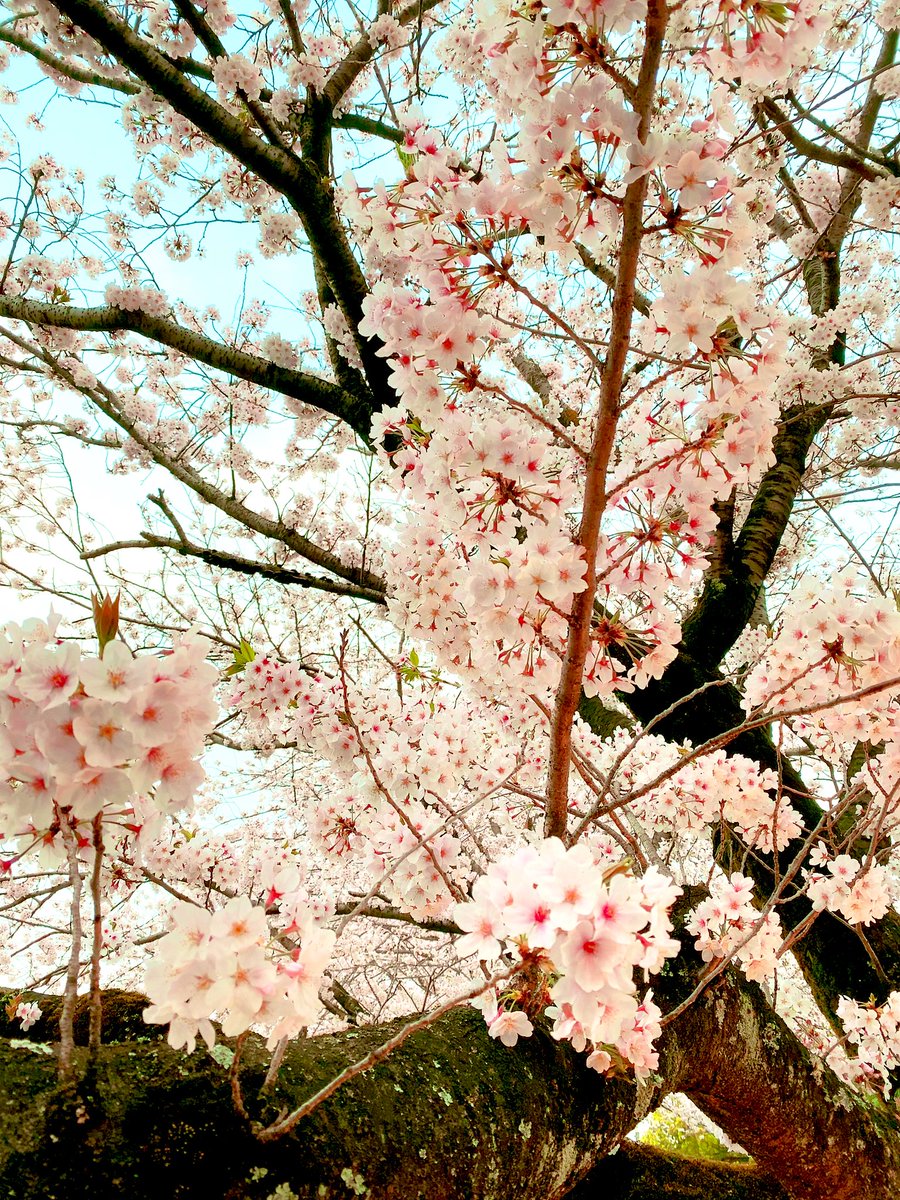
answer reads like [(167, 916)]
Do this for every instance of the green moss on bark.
[(451, 1114)]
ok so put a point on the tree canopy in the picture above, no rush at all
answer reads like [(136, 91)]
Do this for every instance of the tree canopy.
[(457, 443)]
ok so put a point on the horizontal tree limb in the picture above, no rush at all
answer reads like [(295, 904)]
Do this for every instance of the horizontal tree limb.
[(244, 566), (60, 65), (813, 150), (452, 1113), (104, 399), (299, 385)]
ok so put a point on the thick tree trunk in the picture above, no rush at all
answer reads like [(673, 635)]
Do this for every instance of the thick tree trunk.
[(451, 1114)]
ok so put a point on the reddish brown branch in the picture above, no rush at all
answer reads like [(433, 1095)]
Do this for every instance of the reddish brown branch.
[(569, 691)]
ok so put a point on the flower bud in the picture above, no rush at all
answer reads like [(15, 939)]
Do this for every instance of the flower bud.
[(106, 618)]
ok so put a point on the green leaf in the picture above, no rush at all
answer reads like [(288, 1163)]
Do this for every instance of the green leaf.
[(243, 655), (25, 1044)]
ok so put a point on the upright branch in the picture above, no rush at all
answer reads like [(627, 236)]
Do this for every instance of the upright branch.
[(97, 934), (579, 636), (70, 995), (728, 597)]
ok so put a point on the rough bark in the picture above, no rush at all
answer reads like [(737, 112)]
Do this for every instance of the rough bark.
[(729, 594), (451, 1114), (802, 1126)]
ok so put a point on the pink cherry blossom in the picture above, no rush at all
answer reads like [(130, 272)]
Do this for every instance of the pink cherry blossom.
[(509, 1026)]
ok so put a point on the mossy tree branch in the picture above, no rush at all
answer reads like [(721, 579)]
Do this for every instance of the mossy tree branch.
[(639, 1172), (452, 1113)]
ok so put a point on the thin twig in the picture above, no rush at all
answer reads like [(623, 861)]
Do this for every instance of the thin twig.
[(70, 995), (96, 1025), (284, 1125)]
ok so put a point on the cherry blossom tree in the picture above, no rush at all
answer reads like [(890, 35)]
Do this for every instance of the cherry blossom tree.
[(452, 704)]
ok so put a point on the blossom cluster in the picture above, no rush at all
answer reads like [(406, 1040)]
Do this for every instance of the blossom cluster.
[(860, 895), (28, 1013), (761, 43), (97, 734), (264, 693), (399, 769), (875, 1031), (489, 575), (728, 787), (685, 800), (880, 775), (225, 965), (727, 924), (580, 933), (832, 642)]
